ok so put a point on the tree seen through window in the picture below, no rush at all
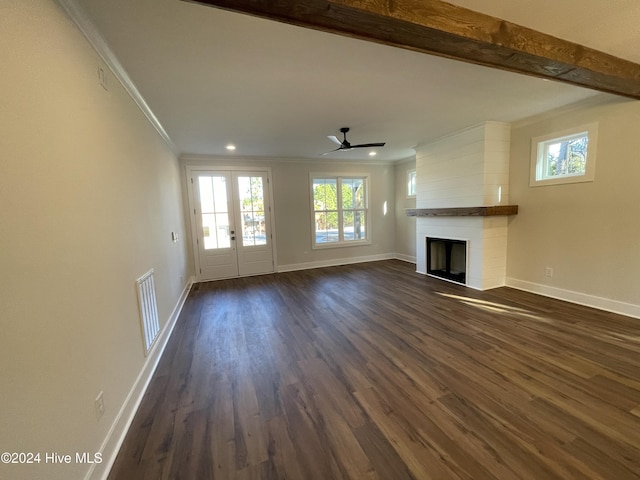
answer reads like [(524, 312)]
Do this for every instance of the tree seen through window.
[(339, 209)]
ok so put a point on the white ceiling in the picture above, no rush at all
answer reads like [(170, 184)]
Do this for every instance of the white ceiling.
[(213, 77)]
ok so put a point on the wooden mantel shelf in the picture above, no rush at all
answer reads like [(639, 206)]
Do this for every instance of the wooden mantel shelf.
[(464, 211)]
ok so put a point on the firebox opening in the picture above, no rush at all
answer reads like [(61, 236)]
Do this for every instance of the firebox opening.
[(447, 258)]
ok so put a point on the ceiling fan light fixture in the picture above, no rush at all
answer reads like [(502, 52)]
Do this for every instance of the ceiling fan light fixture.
[(373, 154), (230, 147)]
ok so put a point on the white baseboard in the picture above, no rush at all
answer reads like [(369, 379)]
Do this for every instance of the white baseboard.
[(600, 303), (120, 426), (405, 258), (335, 262)]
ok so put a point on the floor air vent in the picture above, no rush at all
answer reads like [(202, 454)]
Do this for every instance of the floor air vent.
[(148, 309)]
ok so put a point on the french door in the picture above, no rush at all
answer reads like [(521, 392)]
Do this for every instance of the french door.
[(230, 223)]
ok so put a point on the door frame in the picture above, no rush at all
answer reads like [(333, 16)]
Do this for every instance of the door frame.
[(192, 207)]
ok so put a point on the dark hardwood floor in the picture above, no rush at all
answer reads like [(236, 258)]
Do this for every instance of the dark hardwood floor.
[(372, 371)]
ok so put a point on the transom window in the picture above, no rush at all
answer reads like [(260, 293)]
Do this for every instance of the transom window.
[(340, 210), (565, 157)]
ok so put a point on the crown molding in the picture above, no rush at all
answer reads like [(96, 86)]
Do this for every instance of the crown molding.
[(589, 102), (248, 159), (80, 18)]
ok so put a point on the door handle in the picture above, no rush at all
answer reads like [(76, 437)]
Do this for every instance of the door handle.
[(233, 238)]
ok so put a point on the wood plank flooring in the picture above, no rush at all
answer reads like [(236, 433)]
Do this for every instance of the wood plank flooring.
[(372, 371)]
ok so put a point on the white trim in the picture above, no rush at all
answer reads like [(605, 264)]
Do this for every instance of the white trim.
[(579, 298), (340, 243), (593, 101), (405, 258), (113, 441), (537, 164), (93, 36), (189, 157), (334, 263)]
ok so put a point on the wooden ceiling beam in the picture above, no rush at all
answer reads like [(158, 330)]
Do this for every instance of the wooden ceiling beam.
[(439, 28)]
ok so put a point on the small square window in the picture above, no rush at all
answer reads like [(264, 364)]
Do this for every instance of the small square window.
[(564, 157), (411, 183)]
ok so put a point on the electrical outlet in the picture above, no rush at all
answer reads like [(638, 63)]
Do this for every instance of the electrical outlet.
[(99, 405), (548, 272)]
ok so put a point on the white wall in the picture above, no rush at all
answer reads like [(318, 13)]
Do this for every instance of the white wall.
[(405, 227), (89, 195), (292, 205), (589, 233)]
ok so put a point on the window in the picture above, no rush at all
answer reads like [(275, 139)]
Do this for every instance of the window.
[(411, 183), (340, 210), (564, 157)]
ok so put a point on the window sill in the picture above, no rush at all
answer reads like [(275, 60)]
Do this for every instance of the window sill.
[(561, 180), (324, 246)]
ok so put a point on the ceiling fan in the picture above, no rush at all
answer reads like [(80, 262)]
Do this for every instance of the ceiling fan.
[(345, 145)]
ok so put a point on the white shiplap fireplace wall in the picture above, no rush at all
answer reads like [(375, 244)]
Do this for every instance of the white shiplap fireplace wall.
[(467, 169)]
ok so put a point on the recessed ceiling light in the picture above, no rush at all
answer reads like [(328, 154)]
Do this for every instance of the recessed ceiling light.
[(372, 154), (230, 147)]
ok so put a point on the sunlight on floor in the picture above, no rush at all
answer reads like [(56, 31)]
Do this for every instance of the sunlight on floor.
[(495, 307)]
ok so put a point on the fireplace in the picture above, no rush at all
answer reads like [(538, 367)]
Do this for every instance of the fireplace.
[(462, 194), (447, 259)]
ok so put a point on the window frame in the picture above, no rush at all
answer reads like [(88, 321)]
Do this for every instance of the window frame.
[(340, 210), (539, 146), (411, 173)]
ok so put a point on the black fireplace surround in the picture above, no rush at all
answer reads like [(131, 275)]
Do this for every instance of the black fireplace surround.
[(447, 258)]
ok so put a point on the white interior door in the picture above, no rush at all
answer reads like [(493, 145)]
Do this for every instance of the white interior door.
[(231, 223)]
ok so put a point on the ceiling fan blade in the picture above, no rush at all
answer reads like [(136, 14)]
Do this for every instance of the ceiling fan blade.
[(340, 149), (334, 139), (367, 145), (331, 151)]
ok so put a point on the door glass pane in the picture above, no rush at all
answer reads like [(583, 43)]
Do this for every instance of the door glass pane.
[(215, 212), (222, 230), (206, 195), (220, 194), (209, 231), (251, 196)]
